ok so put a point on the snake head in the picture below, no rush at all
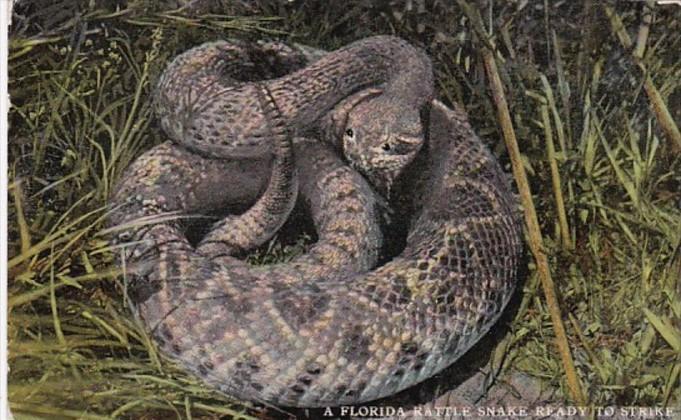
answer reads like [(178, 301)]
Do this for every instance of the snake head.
[(381, 137)]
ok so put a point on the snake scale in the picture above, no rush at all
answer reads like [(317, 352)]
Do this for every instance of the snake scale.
[(325, 328)]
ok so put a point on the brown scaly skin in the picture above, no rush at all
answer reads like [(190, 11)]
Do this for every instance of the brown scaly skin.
[(206, 101), (297, 336), (235, 234)]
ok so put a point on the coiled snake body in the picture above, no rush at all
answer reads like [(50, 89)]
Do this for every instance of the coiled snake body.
[(323, 330)]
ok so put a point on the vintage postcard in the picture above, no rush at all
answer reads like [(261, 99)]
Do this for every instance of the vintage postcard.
[(405, 209)]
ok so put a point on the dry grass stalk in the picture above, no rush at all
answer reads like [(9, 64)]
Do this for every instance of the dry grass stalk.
[(656, 100), (532, 223)]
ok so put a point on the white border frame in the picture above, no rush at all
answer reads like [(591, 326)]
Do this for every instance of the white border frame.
[(5, 13)]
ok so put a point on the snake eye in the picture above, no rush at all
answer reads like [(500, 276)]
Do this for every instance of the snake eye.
[(386, 147), (349, 132)]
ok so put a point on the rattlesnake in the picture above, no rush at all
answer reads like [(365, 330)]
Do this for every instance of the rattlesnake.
[(320, 330)]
